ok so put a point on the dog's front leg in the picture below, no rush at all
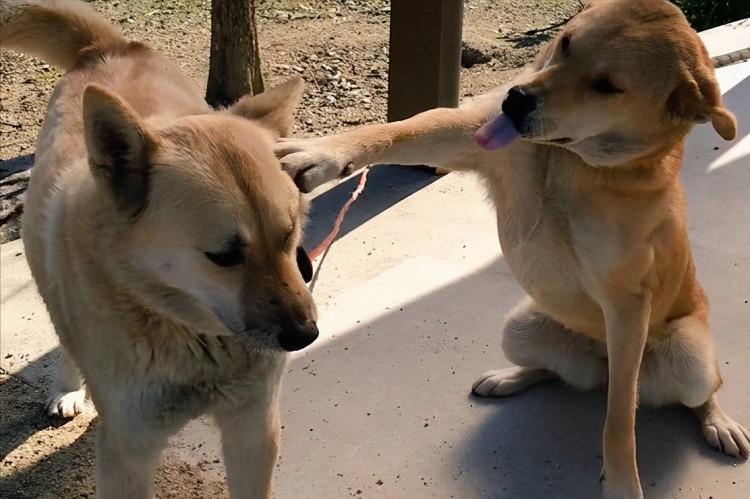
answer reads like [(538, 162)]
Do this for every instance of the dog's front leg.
[(127, 454), (68, 394), (626, 319), (250, 438), (439, 137)]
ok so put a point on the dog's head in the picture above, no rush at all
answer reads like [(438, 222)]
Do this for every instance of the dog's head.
[(206, 227), (624, 79)]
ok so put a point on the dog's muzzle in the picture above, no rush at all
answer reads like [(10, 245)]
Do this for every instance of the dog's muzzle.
[(295, 336), (517, 105)]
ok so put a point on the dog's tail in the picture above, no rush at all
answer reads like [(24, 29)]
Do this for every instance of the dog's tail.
[(54, 30)]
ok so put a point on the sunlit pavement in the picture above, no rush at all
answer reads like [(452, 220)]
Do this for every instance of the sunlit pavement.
[(411, 299)]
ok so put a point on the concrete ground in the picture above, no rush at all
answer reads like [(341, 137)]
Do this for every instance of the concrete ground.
[(411, 298)]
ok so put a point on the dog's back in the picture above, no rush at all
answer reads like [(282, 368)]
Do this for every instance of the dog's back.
[(74, 37)]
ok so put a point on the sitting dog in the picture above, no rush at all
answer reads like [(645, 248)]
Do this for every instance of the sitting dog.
[(164, 239), (581, 155)]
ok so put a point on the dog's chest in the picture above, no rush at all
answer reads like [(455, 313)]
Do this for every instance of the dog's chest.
[(183, 381), (539, 239)]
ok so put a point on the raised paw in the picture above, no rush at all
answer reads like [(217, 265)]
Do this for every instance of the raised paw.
[(67, 404), (508, 381), (310, 163)]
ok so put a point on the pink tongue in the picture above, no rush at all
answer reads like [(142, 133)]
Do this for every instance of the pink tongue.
[(496, 133)]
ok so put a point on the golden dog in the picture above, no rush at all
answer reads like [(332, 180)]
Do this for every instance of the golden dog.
[(590, 213), (164, 238)]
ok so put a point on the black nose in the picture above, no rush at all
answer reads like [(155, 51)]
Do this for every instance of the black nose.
[(518, 104), (295, 336)]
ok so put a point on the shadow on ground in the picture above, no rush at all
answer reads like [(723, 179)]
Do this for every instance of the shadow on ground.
[(384, 410), (50, 458), (42, 457), (386, 186), (388, 402), (15, 165)]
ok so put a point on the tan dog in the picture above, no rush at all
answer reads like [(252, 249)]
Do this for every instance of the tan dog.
[(590, 213), (163, 237)]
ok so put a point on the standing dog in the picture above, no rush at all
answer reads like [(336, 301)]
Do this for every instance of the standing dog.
[(590, 213), (164, 238)]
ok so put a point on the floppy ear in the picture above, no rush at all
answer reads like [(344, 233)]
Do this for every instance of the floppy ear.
[(724, 122), (698, 100), (274, 108), (118, 145)]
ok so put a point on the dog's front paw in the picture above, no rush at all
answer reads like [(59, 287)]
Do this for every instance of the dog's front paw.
[(508, 381), (626, 489), (310, 163), (67, 404), (610, 492)]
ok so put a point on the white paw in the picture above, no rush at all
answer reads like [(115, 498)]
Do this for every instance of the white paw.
[(67, 404), (725, 434), (508, 381)]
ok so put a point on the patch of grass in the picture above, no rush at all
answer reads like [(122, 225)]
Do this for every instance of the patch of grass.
[(705, 14)]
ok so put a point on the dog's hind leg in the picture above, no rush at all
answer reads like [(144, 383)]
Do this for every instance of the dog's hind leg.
[(681, 368), (721, 431), (544, 349), (68, 392), (250, 439)]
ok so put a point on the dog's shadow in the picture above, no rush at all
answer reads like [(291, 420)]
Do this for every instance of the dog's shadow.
[(546, 442), (42, 456), (543, 442), (391, 393), (15, 165), (532, 38)]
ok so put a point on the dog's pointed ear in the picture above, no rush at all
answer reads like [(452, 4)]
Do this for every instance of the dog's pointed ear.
[(274, 108), (118, 146), (697, 99)]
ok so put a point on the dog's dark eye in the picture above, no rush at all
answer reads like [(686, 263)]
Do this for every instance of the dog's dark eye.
[(230, 255), (226, 258), (604, 86), (565, 43)]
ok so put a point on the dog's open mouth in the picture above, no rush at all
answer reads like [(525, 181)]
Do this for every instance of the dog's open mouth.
[(559, 141), (500, 132), (562, 140)]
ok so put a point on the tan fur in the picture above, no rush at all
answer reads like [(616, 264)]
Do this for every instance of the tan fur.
[(163, 237), (590, 214)]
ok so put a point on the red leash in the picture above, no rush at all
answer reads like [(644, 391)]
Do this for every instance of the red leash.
[(323, 247)]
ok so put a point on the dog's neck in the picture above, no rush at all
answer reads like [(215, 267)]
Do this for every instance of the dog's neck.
[(654, 171)]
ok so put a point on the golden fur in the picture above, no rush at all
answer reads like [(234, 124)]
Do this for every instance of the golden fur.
[(590, 213), (164, 239)]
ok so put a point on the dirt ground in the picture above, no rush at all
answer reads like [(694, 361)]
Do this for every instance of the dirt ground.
[(340, 47)]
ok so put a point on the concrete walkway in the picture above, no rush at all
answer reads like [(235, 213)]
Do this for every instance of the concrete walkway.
[(411, 299)]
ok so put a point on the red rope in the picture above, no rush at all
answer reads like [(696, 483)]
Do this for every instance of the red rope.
[(323, 246)]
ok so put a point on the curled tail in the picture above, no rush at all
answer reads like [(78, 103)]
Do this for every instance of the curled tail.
[(54, 30)]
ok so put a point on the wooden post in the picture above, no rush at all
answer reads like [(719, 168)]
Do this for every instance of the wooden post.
[(234, 64), (425, 56)]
